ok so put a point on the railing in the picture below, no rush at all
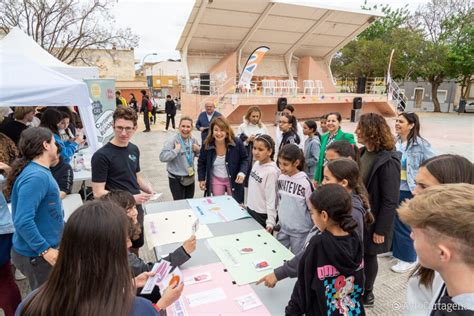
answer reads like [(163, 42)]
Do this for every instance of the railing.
[(396, 96)]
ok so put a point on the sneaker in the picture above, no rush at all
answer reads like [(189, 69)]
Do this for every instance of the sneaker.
[(402, 266), (368, 299), (385, 255), (146, 131), (19, 276)]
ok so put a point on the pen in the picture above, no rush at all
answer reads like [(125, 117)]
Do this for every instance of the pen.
[(199, 210)]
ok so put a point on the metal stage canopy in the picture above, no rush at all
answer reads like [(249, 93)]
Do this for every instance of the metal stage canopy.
[(288, 28)]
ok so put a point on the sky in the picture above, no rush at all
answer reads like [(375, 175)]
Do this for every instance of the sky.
[(159, 23)]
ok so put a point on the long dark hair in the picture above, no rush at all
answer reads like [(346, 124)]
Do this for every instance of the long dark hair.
[(292, 121), (314, 126), (345, 168), (268, 142), (344, 149), (50, 119), (30, 147), (92, 275), (414, 133), (337, 203), (445, 169), (291, 153)]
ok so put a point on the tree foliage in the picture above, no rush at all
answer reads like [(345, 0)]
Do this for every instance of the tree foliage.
[(66, 28)]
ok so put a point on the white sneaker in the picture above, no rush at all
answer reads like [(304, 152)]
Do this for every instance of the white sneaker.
[(19, 276), (402, 266), (385, 255)]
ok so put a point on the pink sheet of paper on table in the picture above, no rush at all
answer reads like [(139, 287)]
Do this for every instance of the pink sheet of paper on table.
[(220, 279)]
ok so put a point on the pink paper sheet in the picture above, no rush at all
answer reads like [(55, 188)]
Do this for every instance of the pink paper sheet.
[(220, 279)]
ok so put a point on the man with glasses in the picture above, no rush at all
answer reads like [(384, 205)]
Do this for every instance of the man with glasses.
[(116, 166)]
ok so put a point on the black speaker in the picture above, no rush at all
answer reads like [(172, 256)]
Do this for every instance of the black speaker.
[(282, 102), (205, 84), (357, 103), (361, 81)]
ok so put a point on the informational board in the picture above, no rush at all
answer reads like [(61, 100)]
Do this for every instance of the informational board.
[(102, 94), (217, 209), (210, 290), (250, 255), (170, 227)]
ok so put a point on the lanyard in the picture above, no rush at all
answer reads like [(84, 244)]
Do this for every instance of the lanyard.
[(187, 150)]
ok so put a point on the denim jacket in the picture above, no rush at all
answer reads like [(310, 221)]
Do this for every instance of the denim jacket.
[(6, 223), (418, 151)]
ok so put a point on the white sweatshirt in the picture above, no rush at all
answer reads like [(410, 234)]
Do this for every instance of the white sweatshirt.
[(262, 197), (251, 129)]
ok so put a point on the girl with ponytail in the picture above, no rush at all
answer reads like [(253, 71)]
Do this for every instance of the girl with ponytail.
[(333, 260), (345, 172)]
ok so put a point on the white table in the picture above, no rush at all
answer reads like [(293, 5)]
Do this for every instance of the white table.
[(274, 299), (84, 174)]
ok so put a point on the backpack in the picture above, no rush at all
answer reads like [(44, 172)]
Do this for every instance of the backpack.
[(149, 105)]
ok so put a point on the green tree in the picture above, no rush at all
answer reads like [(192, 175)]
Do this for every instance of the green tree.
[(460, 35), (66, 28), (433, 19)]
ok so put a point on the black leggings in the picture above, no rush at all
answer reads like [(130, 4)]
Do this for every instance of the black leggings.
[(179, 191), (371, 268)]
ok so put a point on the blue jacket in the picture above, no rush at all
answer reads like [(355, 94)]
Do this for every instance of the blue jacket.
[(236, 159), (37, 211), (418, 151), (202, 121), (6, 224), (67, 148)]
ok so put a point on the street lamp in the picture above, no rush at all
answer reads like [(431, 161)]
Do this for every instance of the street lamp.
[(143, 61)]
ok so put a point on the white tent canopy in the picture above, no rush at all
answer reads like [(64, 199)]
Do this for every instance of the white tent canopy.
[(17, 42), (24, 82)]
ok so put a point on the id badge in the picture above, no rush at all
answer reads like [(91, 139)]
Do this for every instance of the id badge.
[(190, 171)]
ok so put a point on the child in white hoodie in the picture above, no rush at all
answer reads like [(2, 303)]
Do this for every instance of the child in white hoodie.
[(261, 204), (294, 190)]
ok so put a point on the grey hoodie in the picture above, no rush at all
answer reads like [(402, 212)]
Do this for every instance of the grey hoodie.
[(176, 163), (289, 269)]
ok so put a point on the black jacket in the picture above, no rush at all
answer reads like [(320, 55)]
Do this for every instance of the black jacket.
[(236, 160), (170, 108), (289, 137), (330, 277), (144, 107), (383, 185)]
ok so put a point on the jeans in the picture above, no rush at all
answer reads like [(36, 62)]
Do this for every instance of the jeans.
[(146, 120), (403, 248), (371, 268), (169, 118), (179, 191)]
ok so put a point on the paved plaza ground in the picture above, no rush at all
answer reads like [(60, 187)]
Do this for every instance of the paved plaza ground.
[(447, 132)]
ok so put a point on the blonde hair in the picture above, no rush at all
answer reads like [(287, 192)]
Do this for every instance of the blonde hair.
[(445, 210), (21, 111), (250, 111), (224, 125)]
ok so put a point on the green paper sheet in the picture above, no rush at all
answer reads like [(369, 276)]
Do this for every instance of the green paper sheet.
[(242, 266)]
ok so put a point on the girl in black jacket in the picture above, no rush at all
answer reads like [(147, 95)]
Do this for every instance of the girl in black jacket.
[(288, 127), (330, 273), (380, 171)]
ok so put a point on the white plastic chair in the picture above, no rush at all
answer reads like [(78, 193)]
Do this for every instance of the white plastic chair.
[(319, 86), (308, 85), (292, 87), (268, 85), (70, 203), (280, 86)]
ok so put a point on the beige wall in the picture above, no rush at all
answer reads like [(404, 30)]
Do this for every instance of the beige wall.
[(310, 69), (226, 69)]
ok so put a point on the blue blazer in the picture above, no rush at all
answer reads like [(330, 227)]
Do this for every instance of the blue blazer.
[(236, 159), (202, 121)]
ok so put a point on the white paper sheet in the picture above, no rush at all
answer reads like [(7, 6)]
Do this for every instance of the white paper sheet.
[(171, 227), (206, 297)]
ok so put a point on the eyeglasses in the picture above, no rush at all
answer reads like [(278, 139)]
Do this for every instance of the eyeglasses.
[(127, 129)]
